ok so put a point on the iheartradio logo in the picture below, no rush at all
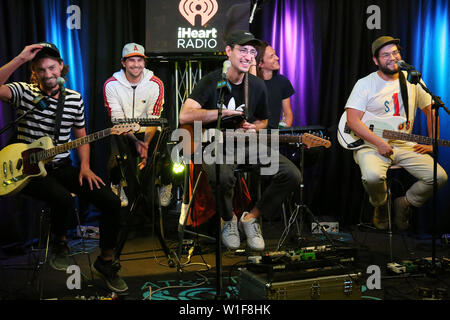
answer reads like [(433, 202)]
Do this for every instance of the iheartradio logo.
[(190, 9)]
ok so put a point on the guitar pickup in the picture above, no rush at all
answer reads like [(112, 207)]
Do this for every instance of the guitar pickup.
[(347, 129), (11, 169), (5, 169), (19, 164)]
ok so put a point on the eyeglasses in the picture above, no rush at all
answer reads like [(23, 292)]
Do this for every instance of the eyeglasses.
[(244, 51), (386, 55)]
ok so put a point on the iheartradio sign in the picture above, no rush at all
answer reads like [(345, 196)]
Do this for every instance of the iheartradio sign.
[(190, 9), (174, 26)]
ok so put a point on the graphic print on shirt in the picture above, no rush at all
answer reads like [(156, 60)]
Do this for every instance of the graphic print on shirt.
[(387, 105), (231, 105)]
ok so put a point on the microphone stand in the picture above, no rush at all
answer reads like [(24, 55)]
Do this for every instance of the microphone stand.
[(219, 294), (414, 78), (9, 125)]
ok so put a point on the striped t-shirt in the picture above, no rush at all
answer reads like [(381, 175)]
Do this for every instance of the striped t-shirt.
[(41, 122)]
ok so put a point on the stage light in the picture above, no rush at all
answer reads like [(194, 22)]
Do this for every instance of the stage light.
[(177, 168)]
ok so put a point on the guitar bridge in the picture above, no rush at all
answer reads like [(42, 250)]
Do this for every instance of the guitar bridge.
[(13, 180)]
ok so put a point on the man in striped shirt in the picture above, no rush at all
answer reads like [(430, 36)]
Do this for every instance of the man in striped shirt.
[(40, 99)]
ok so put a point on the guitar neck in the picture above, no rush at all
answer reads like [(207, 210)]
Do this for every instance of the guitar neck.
[(144, 122), (281, 138), (395, 135), (50, 153)]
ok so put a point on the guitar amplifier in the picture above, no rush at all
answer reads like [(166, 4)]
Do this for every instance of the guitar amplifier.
[(253, 286)]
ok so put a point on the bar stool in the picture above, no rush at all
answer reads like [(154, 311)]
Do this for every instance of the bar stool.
[(390, 204)]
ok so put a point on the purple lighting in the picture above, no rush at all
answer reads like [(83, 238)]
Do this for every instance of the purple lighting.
[(292, 38)]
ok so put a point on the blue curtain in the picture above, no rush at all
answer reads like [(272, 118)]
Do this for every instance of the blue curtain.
[(68, 42)]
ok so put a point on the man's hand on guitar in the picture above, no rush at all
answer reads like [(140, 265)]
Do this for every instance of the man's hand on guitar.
[(385, 149), (423, 148), (142, 149), (248, 127), (91, 177)]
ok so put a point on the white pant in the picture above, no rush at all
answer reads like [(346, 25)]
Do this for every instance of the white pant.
[(374, 167)]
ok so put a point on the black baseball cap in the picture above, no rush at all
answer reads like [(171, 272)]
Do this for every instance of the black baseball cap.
[(49, 49), (241, 37), (381, 42)]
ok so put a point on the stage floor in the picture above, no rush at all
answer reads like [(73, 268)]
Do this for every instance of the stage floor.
[(149, 277)]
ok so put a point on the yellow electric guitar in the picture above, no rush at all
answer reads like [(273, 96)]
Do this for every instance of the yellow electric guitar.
[(19, 162)]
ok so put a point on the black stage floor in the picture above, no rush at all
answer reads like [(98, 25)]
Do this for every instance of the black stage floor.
[(149, 277)]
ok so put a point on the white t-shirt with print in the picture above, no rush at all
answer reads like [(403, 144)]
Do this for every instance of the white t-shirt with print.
[(383, 98)]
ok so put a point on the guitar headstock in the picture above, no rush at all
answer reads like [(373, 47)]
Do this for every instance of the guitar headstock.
[(125, 128), (312, 141)]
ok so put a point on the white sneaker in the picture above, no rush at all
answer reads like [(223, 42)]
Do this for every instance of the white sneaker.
[(165, 195), (230, 234), (118, 191), (252, 230)]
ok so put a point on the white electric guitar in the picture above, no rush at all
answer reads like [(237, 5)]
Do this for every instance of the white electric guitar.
[(19, 162), (386, 128)]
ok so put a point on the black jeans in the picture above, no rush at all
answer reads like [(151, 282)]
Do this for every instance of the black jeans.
[(282, 183), (56, 188), (139, 181)]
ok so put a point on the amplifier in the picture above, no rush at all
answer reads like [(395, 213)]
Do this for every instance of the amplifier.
[(344, 286)]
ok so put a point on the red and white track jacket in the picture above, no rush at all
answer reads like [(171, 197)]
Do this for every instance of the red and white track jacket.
[(144, 101)]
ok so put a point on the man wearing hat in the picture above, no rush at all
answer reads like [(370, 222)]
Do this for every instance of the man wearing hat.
[(42, 98), (380, 94), (203, 104), (135, 92)]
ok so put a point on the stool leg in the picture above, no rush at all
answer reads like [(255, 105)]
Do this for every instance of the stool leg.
[(83, 244), (389, 208), (43, 246)]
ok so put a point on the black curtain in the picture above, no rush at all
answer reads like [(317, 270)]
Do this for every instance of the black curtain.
[(341, 37)]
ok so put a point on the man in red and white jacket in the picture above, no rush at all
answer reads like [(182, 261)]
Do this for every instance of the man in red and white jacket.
[(135, 92)]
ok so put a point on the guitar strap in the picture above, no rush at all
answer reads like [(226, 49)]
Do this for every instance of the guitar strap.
[(58, 116), (246, 95), (404, 93)]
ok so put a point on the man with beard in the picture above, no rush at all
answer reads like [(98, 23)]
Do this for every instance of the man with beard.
[(380, 94), (43, 98)]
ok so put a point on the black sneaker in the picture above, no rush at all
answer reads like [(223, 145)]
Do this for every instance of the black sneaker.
[(108, 270), (59, 259)]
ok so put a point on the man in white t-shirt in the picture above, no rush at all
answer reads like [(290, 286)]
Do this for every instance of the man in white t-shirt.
[(379, 93)]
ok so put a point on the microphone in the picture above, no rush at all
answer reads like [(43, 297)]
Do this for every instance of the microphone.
[(60, 81), (225, 67), (404, 66), (224, 81), (413, 75)]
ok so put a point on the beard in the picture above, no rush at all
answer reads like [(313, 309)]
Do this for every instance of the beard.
[(388, 71), (384, 69)]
